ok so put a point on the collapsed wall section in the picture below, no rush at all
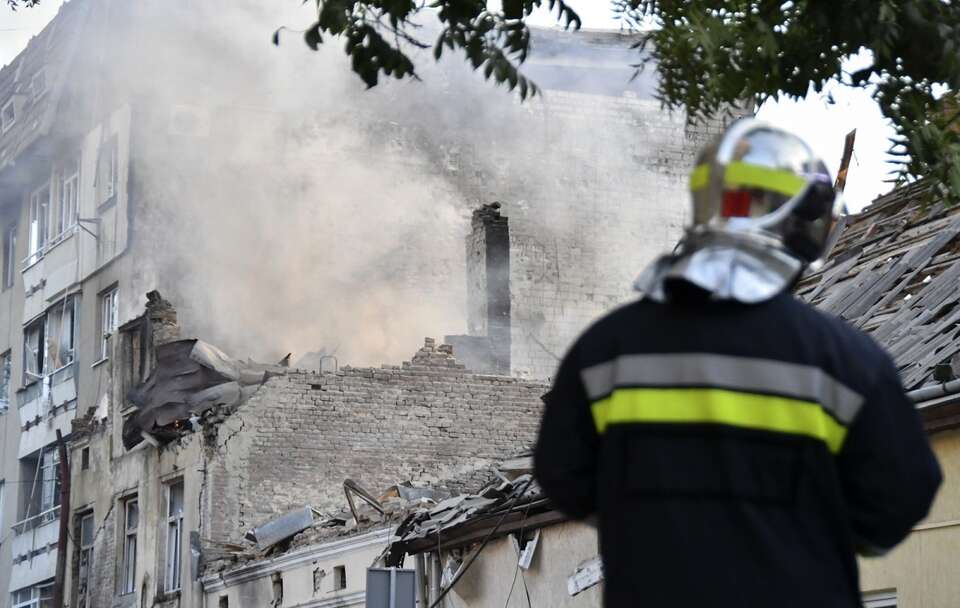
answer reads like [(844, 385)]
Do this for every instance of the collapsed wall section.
[(429, 421)]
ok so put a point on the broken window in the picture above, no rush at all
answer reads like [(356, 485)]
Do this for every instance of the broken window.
[(69, 187), (131, 521), (9, 256), (49, 479), (39, 222), (8, 116), (86, 535), (37, 596), (6, 365), (174, 536), (61, 334), (109, 319), (34, 350), (339, 578)]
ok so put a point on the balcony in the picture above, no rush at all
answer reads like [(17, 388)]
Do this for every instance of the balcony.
[(47, 406), (34, 549), (49, 271)]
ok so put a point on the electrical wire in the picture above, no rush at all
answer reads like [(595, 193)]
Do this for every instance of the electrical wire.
[(486, 539)]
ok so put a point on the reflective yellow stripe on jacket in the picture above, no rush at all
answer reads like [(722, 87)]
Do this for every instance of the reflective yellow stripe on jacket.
[(719, 406)]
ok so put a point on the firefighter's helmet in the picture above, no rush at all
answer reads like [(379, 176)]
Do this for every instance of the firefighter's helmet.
[(763, 209), (765, 184)]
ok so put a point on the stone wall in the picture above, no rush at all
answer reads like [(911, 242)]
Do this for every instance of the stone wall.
[(428, 421)]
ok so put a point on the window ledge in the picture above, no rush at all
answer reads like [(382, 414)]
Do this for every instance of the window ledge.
[(99, 362)]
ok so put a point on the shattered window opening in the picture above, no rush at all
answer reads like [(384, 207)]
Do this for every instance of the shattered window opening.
[(109, 319), (49, 480), (131, 523), (40, 203), (86, 536), (61, 337), (174, 536), (34, 343)]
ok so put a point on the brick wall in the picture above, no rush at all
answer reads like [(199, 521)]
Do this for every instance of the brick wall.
[(302, 434)]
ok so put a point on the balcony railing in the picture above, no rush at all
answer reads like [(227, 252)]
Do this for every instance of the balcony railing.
[(35, 521)]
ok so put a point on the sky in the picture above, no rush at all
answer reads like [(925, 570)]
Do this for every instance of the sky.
[(823, 121)]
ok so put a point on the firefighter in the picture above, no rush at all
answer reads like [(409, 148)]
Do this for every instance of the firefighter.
[(737, 446)]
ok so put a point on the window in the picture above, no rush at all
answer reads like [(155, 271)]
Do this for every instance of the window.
[(109, 319), (108, 168), (69, 187), (61, 334), (38, 84), (39, 222), (128, 578), (5, 367), (87, 535), (34, 350), (2, 482), (49, 479), (8, 116), (339, 577), (9, 256), (38, 596), (85, 459), (174, 536)]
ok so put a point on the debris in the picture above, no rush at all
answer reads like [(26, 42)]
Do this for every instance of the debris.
[(525, 553), (191, 377), (281, 528), (587, 574)]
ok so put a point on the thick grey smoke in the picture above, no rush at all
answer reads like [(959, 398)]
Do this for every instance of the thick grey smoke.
[(284, 207)]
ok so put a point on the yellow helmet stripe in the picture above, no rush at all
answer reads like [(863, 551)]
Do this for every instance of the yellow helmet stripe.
[(699, 177), (718, 406), (740, 175)]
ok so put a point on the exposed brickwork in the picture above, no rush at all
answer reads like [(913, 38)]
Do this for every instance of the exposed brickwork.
[(301, 435)]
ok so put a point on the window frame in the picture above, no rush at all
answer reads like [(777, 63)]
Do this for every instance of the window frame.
[(6, 377), (84, 557), (39, 356), (36, 596), (64, 336), (9, 256), (109, 304), (5, 123), (68, 181), (38, 223), (40, 75), (130, 537), (173, 550)]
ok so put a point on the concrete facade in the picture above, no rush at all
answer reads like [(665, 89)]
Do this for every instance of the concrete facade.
[(918, 572)]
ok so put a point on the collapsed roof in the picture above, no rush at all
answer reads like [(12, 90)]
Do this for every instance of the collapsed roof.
[(893, 272), (190, 378)]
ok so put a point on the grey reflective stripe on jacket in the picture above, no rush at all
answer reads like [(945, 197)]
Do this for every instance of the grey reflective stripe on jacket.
[(724, 371)]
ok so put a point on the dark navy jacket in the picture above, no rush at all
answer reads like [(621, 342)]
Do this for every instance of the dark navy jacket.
[(736, 455)]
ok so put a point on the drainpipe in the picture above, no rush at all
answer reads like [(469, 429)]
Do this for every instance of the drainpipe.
[(932, 392), (58, 591)]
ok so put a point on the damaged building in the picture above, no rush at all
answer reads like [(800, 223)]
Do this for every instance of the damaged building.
[(124, 170), (203, 459)]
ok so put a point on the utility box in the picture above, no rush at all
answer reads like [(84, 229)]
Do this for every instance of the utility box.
[(391, 588)]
